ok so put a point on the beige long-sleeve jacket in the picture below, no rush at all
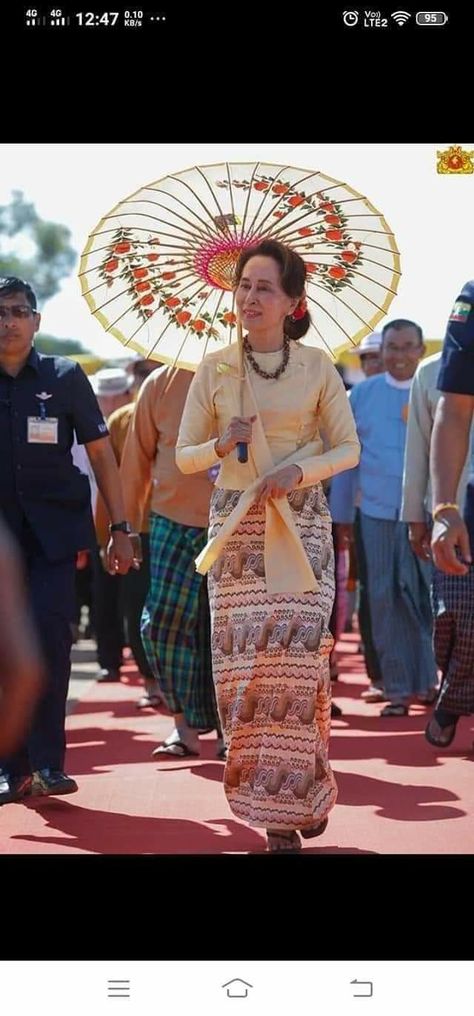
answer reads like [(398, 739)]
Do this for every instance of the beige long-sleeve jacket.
[(290, 411)]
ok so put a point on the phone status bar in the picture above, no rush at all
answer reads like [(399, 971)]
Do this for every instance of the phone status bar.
[(393, 19), (56, 17)]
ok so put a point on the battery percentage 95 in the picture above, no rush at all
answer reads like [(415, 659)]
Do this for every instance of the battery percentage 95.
[(431, 18)]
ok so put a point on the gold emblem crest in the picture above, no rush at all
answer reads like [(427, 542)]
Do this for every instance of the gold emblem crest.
[(455, 160)]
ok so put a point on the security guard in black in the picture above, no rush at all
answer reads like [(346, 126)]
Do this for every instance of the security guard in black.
[(45, 501), (40, 487)]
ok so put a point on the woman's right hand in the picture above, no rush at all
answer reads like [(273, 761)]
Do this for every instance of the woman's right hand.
[(239, 429)]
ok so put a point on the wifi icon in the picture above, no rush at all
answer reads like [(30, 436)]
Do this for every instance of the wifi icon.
[(401, 17)]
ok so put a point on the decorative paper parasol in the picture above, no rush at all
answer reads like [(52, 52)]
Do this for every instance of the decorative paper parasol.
[(157, 271)]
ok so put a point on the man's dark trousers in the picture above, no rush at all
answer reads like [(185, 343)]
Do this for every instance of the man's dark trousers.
[(109, 630)]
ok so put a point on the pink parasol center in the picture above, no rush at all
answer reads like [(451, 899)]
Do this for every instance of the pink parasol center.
[(216, 261)]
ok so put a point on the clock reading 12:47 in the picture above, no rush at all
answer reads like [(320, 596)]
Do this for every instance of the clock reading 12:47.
[(91, 19)]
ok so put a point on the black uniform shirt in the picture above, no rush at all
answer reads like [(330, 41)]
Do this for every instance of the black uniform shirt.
[(40, 409), (457, 361)]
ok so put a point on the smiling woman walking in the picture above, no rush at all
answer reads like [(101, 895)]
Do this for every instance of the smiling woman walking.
[(271, 578)]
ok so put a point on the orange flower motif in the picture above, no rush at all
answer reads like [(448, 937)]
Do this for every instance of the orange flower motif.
[(327, 206), (311, 267), (111, 265), (198, 325), (261, 185), (229, 317), (334, 220), (336, 272), (168, 275), (296, 200), (122, 248), (153, 257), (183, 317), (146, 300), (172, 301), (334, 235), (306, 231), (140, 273), (349, 256), (140, 287), (279, 215), (280, 188)]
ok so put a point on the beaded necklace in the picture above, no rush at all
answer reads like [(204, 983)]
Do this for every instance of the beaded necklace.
[(264, 373)]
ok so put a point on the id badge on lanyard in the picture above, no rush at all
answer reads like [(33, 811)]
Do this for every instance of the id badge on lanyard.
[(42, 429)]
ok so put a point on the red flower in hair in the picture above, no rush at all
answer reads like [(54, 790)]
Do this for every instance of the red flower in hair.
[(300, 310)]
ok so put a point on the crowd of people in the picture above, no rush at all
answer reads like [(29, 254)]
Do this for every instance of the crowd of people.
[(227, 573)]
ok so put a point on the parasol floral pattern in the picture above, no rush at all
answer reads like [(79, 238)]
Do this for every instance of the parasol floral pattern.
[(158, 270)]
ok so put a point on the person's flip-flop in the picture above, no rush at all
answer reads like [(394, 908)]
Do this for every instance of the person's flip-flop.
[(395, 709), (440, 736), (373, 694), (177, 748), (151, 701)]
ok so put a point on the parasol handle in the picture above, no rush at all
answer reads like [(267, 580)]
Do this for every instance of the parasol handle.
[(242, 452), (242, 447)]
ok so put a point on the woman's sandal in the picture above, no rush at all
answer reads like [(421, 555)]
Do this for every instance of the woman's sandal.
[(287, 842), (309, 834)]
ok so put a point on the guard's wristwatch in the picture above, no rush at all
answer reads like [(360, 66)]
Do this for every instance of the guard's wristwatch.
[(120, 527)]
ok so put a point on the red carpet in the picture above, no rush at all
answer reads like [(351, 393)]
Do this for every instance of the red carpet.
[(396, 793)]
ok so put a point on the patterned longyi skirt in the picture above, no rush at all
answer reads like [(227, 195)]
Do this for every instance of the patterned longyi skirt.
[(270, 658)]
